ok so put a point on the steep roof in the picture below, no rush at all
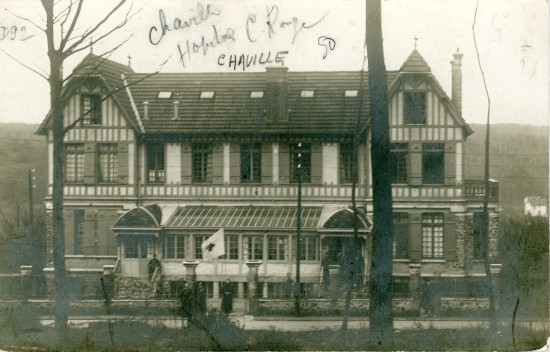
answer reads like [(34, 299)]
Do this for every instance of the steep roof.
[(233, 111), (110, 72), (415, 63)]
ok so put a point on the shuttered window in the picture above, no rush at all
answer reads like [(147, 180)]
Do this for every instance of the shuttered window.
[(251, 163), (401, 235), (415, 107), (202, 162), (433, 163), (432, 235), (107, 163), (74, 163), (155, 163), (346, 163), (91, 109), (399, 163)]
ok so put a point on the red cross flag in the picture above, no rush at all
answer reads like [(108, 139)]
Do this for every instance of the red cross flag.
[(214, 246)]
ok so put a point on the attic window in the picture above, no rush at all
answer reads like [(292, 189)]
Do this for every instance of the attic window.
[(257, 94), (350, 93), (207, 95), (307, 94), (164, 95)]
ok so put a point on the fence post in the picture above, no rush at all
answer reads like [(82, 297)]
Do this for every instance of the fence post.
[(414, 286), (25, 281), (108, 283)]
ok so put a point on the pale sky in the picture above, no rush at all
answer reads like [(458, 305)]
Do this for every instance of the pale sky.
[(318, 35)]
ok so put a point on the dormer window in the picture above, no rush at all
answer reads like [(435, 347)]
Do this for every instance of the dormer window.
[(350, 93), (307, 94), (91, 109), (164, 95), (415, 108), (207, 95), (257, 94)]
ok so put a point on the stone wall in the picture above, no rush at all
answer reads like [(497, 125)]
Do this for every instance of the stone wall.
[(465, 243), (405, 307), (328, 307), (454, 306), (133, 288)]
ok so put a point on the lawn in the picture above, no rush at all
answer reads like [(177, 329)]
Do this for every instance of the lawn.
[(217, 333)]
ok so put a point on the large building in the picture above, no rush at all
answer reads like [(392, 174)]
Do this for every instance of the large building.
[(157, 163)]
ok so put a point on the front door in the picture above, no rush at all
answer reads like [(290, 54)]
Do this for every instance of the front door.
[(135, 255)]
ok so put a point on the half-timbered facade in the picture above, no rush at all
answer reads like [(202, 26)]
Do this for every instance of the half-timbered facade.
[(154, 164)]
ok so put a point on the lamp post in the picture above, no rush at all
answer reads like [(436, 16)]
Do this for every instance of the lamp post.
[(297, 289)]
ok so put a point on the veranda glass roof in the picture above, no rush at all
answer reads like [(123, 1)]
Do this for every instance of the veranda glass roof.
[(253, 217)]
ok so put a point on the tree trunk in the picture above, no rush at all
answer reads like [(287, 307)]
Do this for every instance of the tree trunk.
[(60, 279), (58, 232), (381, 318)]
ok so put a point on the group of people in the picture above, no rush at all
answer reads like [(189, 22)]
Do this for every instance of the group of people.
[(193, 299)]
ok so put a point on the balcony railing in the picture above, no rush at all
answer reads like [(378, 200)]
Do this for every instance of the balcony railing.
[(475, 190)]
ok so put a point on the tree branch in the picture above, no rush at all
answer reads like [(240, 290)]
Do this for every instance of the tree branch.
[(62, 24), (95, 41), (90, 32), (71, 27), (43, 75), (27, 20), (95, 65)]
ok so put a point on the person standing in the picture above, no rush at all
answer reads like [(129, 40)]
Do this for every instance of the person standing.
[(187, 300), (289, 286), (200, 299), (154, 263), (227, 300)]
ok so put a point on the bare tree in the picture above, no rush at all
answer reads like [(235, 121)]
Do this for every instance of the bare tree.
[(67, 34), (485, 223), (381, 318)]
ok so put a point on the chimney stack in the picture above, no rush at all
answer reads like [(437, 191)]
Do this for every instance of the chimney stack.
[(176, 105), (277, 93), (456, 89), (146, 110)]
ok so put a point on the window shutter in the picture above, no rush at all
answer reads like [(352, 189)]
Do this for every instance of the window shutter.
[(449, 239), (89, 232), (267, 163), (89, 163), (415, 163), (68, 216), (234, 163), (416, 236), (316, 163), (450, 163), (106, 237), (217, 163), (284, 164), (186, 163), (122, 163)]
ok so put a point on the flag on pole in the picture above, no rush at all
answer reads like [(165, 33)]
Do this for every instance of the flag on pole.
[(214, 246)]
